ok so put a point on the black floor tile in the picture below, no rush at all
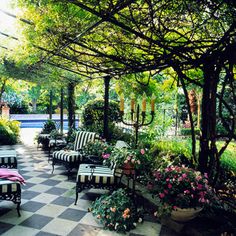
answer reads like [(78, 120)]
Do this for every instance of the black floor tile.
[(63, 201), (42, 233), (27, 194), (56, 191), (32, 206), (51, 182), (84, 230), (27, 185), (72, 214), (36, 221), (45, 175), (4, 210), (4, 227), (90, 196)]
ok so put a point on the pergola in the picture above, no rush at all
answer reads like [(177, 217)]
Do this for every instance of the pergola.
[(110, 39)]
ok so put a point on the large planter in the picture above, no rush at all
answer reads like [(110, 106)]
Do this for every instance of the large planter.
[(185, 214), (128, 168)]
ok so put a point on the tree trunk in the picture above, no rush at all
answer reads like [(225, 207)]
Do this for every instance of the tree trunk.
[(208, 151), (71, 105)]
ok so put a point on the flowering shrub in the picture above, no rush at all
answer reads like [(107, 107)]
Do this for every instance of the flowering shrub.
[(116, 211), (99, 148), (121, 156), (181, 187)]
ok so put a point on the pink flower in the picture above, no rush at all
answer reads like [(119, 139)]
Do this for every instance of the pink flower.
[(206, 175), (106, 156), (161, 195), (167, 180), (199, 186), (142, 151), (169, 185), (166, 191), (184, 175), (150, 185), (186, 191), (174, 207), (202, 200), (180, 179)]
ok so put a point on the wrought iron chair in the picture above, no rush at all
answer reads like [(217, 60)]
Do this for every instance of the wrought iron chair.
[(10, 190), (72, 158), (99, 176)]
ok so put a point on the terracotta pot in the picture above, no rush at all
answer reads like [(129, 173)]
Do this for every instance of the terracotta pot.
[(185, 214), (128, 169)]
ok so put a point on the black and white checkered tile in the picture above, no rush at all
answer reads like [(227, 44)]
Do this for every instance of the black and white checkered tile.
[(47, 206)]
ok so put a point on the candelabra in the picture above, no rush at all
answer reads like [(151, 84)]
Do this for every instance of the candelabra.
[(137, 119)]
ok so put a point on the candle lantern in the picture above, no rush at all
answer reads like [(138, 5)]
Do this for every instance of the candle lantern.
[(137, 118)]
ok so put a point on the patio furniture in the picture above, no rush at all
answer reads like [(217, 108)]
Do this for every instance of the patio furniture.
[(56, 143), (8, 159), (11, 191), (72, 158), (97, 176), (43, 139)]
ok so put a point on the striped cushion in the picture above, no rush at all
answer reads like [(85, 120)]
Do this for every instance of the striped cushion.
[(7, 153), (8, 162), (98, 175), (67, 156), (82, 138), (7, 186)]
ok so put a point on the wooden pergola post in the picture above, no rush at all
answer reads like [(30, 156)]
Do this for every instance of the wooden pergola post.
[(106, 108), (50, 104), (61, 110)]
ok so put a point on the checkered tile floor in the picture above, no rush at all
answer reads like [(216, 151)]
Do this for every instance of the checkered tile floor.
[(47, 206)]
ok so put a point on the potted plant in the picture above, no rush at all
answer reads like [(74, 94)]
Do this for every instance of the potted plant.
[(96, 151), (127, 159), (116, 211), (181, 192)]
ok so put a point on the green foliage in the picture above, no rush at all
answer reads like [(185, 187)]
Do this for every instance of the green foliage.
[(94, 111), (228, 158), (98, 149), (172, 147), (116, 211), (48, 127), (9, 132), (187, 131), (92, 116)]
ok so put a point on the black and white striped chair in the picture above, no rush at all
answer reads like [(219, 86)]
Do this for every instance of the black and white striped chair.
[(72, 158), (97, 176), (11, 191), (8, 159)]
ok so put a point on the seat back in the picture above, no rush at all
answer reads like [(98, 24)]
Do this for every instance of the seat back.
[(82, 138)]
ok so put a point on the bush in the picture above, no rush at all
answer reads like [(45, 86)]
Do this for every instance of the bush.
[(168, 152), (94, 112), (9, 132), (48, 127), (116, 211), (187, 131)]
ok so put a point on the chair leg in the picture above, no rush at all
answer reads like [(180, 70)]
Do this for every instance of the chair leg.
[(53, 166), (18, 208)]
